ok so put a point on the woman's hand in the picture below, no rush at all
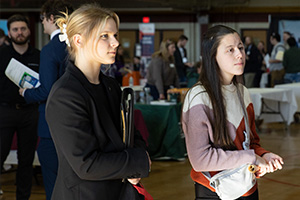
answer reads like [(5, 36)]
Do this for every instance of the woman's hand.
[(274, 162), (134, 181), (161, 96), (21, 90), (262, 166)]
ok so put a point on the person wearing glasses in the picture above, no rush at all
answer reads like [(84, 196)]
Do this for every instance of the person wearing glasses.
[(52, 66)]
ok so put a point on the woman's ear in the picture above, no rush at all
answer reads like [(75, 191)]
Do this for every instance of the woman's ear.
[(77, 40)]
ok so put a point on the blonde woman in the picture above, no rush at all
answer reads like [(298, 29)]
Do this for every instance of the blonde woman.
[(83, 113), (161, 74)]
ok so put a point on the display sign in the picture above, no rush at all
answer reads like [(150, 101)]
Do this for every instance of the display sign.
[(147, 31), (3, 25)]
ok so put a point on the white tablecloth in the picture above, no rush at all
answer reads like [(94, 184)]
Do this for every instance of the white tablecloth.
[(272, 97), (296, 89), (134, 87), (264, 80)]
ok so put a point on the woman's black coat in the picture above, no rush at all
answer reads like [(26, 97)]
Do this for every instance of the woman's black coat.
[(92, 157)]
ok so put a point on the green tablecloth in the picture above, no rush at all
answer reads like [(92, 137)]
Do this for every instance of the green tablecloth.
[(165, 136)]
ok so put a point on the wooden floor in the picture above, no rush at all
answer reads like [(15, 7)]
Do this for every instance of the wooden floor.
[(171, 180)]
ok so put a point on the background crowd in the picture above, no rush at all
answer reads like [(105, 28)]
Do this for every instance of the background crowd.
[(22, 111), (281, 65)]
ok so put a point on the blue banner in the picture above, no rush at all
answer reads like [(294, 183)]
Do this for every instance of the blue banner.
[(147, 32)]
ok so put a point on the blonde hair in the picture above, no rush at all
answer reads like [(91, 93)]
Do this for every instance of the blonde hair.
[(164, 52), (89, 21)]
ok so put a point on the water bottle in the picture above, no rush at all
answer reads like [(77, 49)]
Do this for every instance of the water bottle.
[(149, 98), (142, 97), (130, 81)]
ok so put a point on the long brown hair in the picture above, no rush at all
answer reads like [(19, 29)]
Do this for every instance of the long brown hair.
[(211, 79), (164, 52)]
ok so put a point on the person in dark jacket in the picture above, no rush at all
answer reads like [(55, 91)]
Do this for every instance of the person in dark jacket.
[(291, 62), (83, 113), (252, 71), (181, 61), (52, 66), (17, 116)]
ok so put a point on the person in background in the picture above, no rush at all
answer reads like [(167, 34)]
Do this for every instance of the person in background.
[(252, 71), (138, 65), (286, 36), (181, 61), (193, 74), (117, 69), (109, 70), (291, 62), (17, 116), (261, 49), (83, 113), (3, 39), (119, 65), (261, 79), (52, 66), (212, 116), (161, 74), (276, 67)]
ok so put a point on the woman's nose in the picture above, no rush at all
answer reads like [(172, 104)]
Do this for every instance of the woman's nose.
[(239, 53), (114, 43)]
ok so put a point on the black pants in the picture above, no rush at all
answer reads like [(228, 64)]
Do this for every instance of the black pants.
[(22, 121), (154, 92), (203, 192)]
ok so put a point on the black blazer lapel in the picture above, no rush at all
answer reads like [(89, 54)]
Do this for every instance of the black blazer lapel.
[(105, 119)]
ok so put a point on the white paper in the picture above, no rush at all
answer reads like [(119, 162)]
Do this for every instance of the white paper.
[(279, 55), (162, 103), (267, 58), (21, 75)]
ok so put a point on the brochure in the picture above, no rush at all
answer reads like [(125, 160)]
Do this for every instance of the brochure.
[(22, 75), (267, 58)]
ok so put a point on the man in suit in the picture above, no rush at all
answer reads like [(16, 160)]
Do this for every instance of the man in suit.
[(17, 116), (181, 61), (252, 71), (52, 66)]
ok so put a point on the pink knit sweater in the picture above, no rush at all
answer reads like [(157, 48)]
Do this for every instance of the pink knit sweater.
[(197, 117)]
